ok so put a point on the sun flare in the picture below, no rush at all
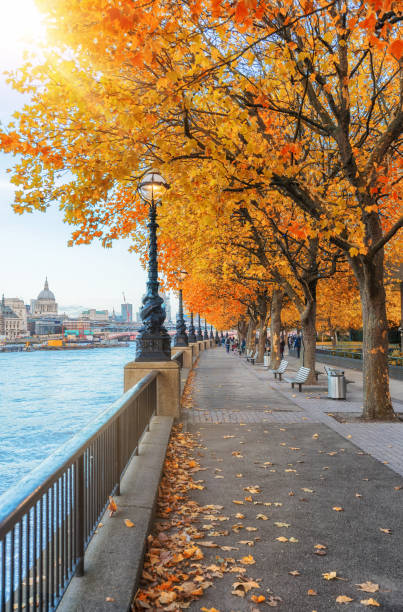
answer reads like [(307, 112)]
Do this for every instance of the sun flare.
[(20, 26)]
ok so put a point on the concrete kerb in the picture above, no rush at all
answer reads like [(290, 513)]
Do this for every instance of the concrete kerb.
[(114, 558)]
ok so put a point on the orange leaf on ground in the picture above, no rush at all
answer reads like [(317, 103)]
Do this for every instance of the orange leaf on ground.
[(129, 523), (258, 598), (370, 602), (343, 599)]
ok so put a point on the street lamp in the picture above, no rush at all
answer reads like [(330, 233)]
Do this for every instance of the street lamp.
[(199, 330), (153, 342), (181, 337), (205, 337), (211, 333), (192, 334), (217, 337)]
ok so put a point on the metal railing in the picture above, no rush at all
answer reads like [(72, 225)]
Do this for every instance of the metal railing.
[(49, 517), (356, 353), (178, 356)]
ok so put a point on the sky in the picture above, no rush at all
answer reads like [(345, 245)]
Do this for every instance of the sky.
[(33, 246)]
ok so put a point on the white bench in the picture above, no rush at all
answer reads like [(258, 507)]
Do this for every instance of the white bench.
[(251, 357), (300, 378), (281, 369)]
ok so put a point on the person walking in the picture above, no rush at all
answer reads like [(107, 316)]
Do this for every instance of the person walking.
[(282, 345), (297, 345), (227, 344)]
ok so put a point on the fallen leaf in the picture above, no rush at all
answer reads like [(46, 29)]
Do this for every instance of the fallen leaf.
[(209, 610), (329, 575), (207, 544), (109, 599), (369, 587), (315, 435), (129, 523), (282, 524), (307, 490), (262, 517), (320, 546), (249, 560), (343, 599), (311, 592), (112, 507), (282, 539), (251, 528), (338, 508), (258, 598), (398, 488), (385, 530), (167, 597), (295, 573), (293, 540), (239, 475), (237, 501), (370, 602)]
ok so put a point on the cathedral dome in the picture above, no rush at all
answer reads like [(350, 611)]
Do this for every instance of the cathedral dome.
[(46, 294)]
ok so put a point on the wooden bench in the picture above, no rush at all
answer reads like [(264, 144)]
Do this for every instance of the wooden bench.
[(281, 369), (300, 378)]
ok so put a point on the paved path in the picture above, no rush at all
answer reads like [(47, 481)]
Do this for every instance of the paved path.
[(228, 389), (301, 465)]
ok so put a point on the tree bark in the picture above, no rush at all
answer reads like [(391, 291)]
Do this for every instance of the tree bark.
[(251, 335), (275, 328), (377, 400), (262, 341), (308, 324), (242, 329)]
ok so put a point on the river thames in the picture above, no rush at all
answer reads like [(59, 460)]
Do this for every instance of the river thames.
[(47, 396)]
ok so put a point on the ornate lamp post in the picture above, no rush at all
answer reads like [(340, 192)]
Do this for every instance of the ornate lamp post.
[(205, 336), (153, 342), (192, 334), (199, 330), (211, 333), (217, 337), (181, 337)]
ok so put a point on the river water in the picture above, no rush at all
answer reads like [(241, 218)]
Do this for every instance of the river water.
[(47, 396)]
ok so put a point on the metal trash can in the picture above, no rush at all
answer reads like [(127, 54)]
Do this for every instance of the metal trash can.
[(336, 384)]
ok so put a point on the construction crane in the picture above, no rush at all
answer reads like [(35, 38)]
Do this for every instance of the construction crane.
[(127, 310)]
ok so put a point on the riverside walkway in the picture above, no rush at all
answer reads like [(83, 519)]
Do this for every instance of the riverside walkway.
[(302, 494)]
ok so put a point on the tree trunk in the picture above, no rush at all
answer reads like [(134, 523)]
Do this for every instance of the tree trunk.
[(251, 335), (377, 400), (275, 328), (262, 341), (242, 329), (308, 324)]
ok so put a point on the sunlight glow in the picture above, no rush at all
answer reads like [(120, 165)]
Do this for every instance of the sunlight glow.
[(20, 28)]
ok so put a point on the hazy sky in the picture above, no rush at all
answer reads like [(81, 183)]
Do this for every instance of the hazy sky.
[(35, 245)]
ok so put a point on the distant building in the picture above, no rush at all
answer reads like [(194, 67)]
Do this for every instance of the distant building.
[(126, 311), (10, 323), (45, 304), (95, 315), (46, 326), (18, 307)]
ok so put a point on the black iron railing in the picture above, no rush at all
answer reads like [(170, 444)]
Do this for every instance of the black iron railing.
[(49, 517)]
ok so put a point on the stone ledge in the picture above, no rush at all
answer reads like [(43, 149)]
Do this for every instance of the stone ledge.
[(114, 557)]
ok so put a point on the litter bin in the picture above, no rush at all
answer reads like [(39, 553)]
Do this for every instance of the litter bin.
[(336, 384)]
